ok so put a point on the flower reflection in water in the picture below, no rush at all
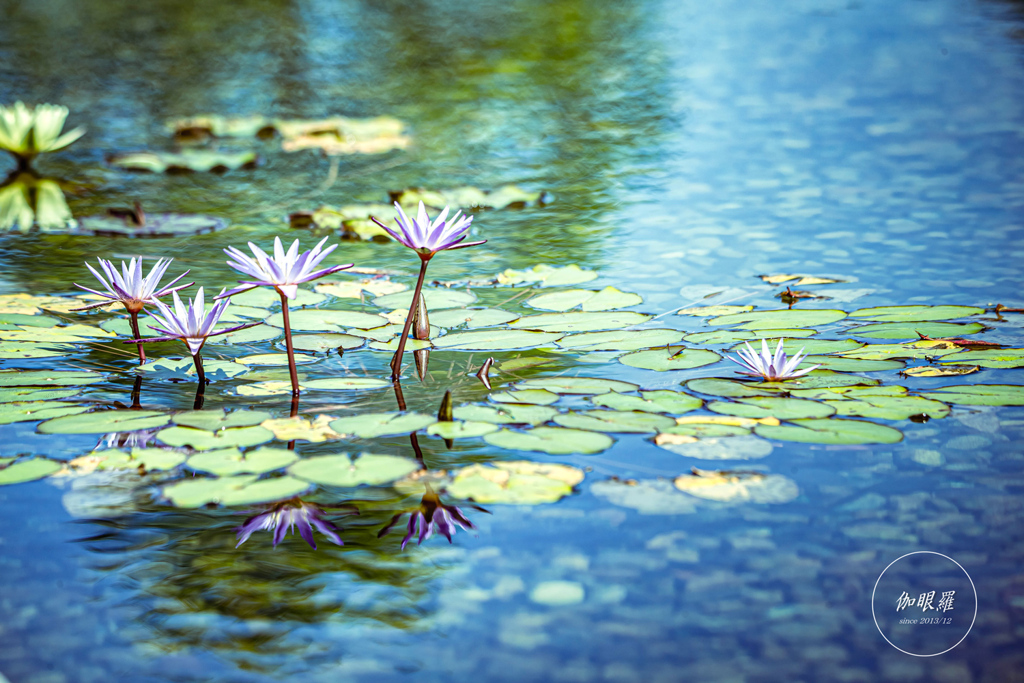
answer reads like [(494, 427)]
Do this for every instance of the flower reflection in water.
[(27, 200), (281, 517), (431, 515)]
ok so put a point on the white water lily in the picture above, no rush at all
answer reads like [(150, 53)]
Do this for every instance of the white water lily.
[(27, 131), (284, 271), (768, 367)]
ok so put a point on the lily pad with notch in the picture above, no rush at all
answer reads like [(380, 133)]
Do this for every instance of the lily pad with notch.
[(988, 358), (215, 420), (543, 275), (537, 397), (830, 431), (903, 330), (320, 343), (435, 298), (780, 319), (606, 299), (372, 425), (30, 411), (154, 225), (514, 483), (918, 313), (245, 489), (889, 407), (512, 413), (495, 340), (327, 320), (553, 440), (659, 401), (619, 340), (231, 461), (472, 318), (672, 358), (979, 395), (578, 385), (344, 471), (104, 422), (634, 422), (28, 470), (205, 440), (770, 406), (580, 321), (461, 429), (737, 335), (40, 378)]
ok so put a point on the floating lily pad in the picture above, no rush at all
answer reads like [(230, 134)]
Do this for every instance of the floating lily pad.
[(461, 429), (371, 425), (514, 483), (843, 364), (12, 350), (435, 298), (726, 388), (816, 379), (356, 289), (817, 347), (319, 343), (231, 461), (737, 335), (237, 490), (606, 299), (979, 395), (915, 313), (25, 394), (913, 330), (890, 407), (410, 345), (852, 391), (544, 275), (578, 385), (799, 279), (156, 459), (540, 397), (28, 320), (619, 340), (924, 348), (742, 447), (648, 497), (213, 420), (105, 422), (554, 440), (831, 431), (771, 320), (184, 367), (507, 414), (156, 225), (300, 429), (495, 340), (249, 335), (472, 318), (687, 433), (580, 321), (204, 440), (470, 198), (672, 358), (265, 297), (275, 359), (341, 470), (29, 411), (989, 358), (714, 311), (187, 160), (326, 320), (661, 401), (738, 487), (28, 470), (769, 406), (635, 422), (67, 334), (948, 371), (27, 304)]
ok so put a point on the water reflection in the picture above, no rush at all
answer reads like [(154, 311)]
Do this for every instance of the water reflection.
[(27, 200), (281, 517), (431, 515)]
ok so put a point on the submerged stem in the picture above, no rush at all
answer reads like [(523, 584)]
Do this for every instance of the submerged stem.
[(288, 345), (198, 360), (135, 331), (396, 362)]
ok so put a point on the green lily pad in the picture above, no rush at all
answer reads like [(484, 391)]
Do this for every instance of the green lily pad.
[(661, 401), (619, 340), (511, 413), (326, 320), (979, 395), (156, 225), (410, 345), (26, 320), (470, 197), (249, 335), (472, 318), (275, 359), (615, 421), (816, 379), (371, 425), (28, 470), (72, 334), (265, 297), (204, 440), (544, 275), (741, 447), (737, 335), (30, 411), (13, 350), (607, 299), (580, 321), (435, 298), (705, 430), (712, 311), (319, 343), (345, 383), (186, 160), (852, 391), (915, 313), (231, 461), (913, 330), (495, 340), (41, 378), (554, 440), (514, 483), (25, 394), (769, 406), (989, 358), (890, 407), (184, 367), (461, 429), (578, 385), (214, 420), (341, 470), (816, 347), (908, 350), (122, 327), (726, 388), (830, 431), (843, 364), (672, 358), (537, 397), (148, 458), (772, 320), (238, 490), (105, 422)]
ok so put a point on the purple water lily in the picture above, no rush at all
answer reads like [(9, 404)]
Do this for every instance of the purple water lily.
[(431, 515), (768, 367), (192, 325), (131, 289), (426, 238), (285, 271), (291, 513)]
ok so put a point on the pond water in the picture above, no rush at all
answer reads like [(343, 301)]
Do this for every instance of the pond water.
[(683, 150)]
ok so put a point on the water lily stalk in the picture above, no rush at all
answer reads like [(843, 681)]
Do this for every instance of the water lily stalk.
[(134, 317), (197, 404), (396, 360), (293, 372)]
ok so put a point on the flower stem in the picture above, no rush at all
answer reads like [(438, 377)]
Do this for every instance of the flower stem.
[(200, 396), (396, 362), (198, 360), (288, 345), (135, 331)]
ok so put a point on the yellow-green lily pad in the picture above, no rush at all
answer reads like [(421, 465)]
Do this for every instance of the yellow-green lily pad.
[(830, 431), (371, 425), (28, 470), (915, 313), (231, 461), (979, 395), (237, 490), (341, 470), (672, 358), (104, 422), (580, 321), (634, 422), (554, 440), (204, 440)]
